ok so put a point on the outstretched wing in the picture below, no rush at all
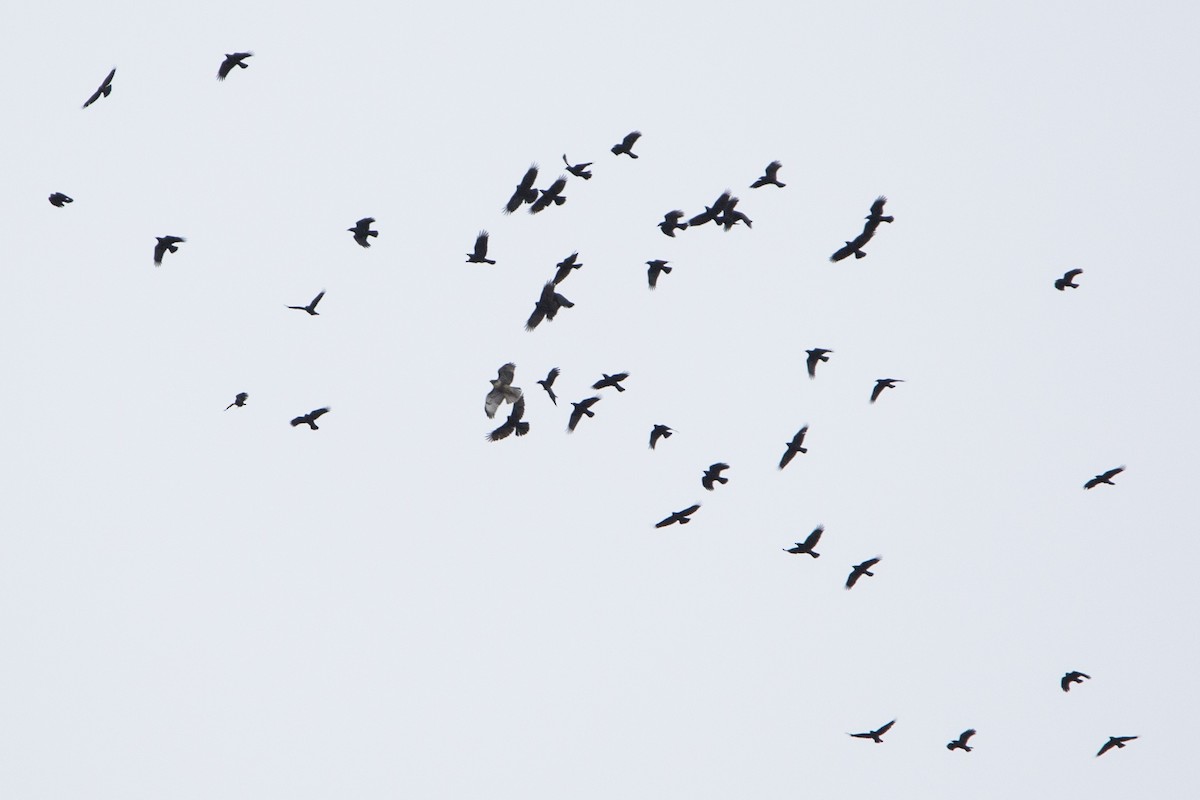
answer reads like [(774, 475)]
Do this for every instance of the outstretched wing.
[(813, 538)]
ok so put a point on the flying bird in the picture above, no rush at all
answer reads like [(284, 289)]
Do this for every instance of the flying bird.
[(731, 216), (551, 195), (239, 400), (659, 432), (678, 516), (513, 424), (876, 216), (626, 145), (611, 380), (480, 254), (578, 170), (166, 244), (59, 199), (1104, 478), (712, 212), (815, 355), (547, 306), (582, 408), (1114, 741), (105, 89), (1066, 280), (656, 267), (502, 390), (524, 193), (671, 223), (310, 419), (807, 547), (232, 60), (862, 569), (877, 734), (548, 383), (713, 474), (565, 266), (311, 308), (1072, 677), (961, 742), (362, 229), (881, 384), (793, 447), (770, 176)]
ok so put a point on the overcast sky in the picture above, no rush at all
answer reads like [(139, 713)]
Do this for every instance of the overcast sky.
[(201, 603)]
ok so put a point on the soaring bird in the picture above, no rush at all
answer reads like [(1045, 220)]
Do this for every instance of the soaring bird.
[(626, 145), (877, 734), (311, 308), (548, 384), (678, 516), (671, 223), (547, 306), (807, 547), (611, 380), (310, 419), (166, 244), (524, 193), (513, 424), (731, 216), (1104, 478), (551, 195), (565, 266), (582, 408), (480, 254), (657, 266), (362, 229), (815, 355), (232, 60), (876, 216), (502, 390), (861, 569), (659, 432), (854, 246), (59, 199), (1065, 281), (770, 176), (578, 170), (105, 89), (881, 384), (961, 742), (1114, 741), (793, 447), (239, 400), (1072, 677), (713, 473), (712, 212)]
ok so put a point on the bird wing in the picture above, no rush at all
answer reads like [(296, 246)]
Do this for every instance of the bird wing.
[(855, 573), (318, 413), (576, 415), (877, 206), (879, 387), (814, 537), (630, 138), (1065, 683), (226, 66), (866, 565), (492, 402), (798, 439), (1071, 274), (159, 250), (1112, 473), (1107, 746), (788, 455), (481, 244), (687, 512), (813, 357), (530, 176), (967, 734), (300, 420), (881, 731), (551, 376), (844, 252), (315, 300)]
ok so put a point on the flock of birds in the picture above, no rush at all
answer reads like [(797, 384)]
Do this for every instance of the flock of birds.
[(724, 213)]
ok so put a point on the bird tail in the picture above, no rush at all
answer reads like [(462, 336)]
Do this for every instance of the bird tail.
[(372, 233), (667, 269), (558, 201), (802, 449), (619, 387), (522, 428), (631, 154), (685, 521), (723, 480), (860, 254), (488, 261), (814, 555), (886, 219)]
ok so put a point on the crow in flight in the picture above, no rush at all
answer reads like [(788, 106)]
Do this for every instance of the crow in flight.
[(771, 176), (59, 199), (311, 308), (1072, 677), (876, 216), (547, 306), (626, 145), (524, 193), (480, 254), (961, 742), (611, 380), (565, 266), (583, 407), (731, 216), (232, 60), (1066, 280), (105, 89), (713, 473), (578, 170), (815, 355), (1114, 741), (659, 432), (551, 195), (671, 223), (656, 267), (877, 734), (881, 384), (712, 212), (807, 547), (678, 516), (1104, 478), (239, 400), (502, 390), (513, 424), (548, 383), (310, 419), (860, 570), (166, 244), (362, 229), (794, 447)]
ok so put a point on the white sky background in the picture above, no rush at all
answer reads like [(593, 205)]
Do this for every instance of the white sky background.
[(197, 603)]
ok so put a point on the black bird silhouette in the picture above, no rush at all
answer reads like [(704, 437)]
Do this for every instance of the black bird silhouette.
[(105, 89), (310, 419), (793, 447), (1072, 677), (731, 216), (671, 223), (59, 199), (311, 308), (611, 380), (166, 244), (513, 424), (861, 569), (239, 400), (551, 195), (854, 246), (770, 176), (815, 355), (712, 212), (524, 193), (961, 742), (480, 254), (656, 267), (362, 229), (876, 216), (807, 547), (626, 145), (582, 408), (1114, 741), (547, 306), (232, 60), (881, 384), (876, 734), (548, 383), (565, 266), (659, 432), (678, 516), (713, 473), (1065, 281), (1104, 478), (578, 170)]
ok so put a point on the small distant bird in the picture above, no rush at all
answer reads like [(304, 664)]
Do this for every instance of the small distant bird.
[(656, 267), (582, 408), (551, 195), (881, 384), (611, 380), (770, 176), (513, 424), (480, 254), (565, 266), (659, 432), (1065, 281), (712, 212), (1114, 741), (671, 223), (502, 390), (59, 199), (854, 246), (1104, 478), (731, 216), (524, 193), (876, 216), (815, 355), (310, 419), (239, 400), (547, 306), (166, 244), (578, 170), (232, 60), (1072, 677), (713, 473), (961, 742), (362, 229), (876, 734), (678, 516), (793, 447), (548, 383), (626, 145), (105, 89), (311, 308), (862, 569), (807, 547)]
